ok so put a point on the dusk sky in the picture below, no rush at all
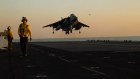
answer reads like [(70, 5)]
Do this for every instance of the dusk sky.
[(105, 17)]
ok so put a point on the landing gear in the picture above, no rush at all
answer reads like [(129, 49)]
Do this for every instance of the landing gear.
[(67, 32), (53, 30), (71, 30), (79, 32)]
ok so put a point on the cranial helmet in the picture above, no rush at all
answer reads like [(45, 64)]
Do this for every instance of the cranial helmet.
[(9, 28), (24, 19)]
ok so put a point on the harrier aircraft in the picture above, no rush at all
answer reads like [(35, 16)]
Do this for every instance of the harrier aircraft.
[(67, 24)]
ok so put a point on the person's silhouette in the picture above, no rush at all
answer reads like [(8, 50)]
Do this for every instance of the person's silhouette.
[(9, 37), (24, 32)]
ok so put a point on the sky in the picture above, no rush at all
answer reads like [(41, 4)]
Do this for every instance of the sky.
[(106, 18)]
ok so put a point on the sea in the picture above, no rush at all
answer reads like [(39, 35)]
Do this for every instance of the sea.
[(4, 43), (129, 38)]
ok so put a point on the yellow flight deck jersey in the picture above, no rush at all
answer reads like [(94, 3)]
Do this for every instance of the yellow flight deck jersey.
[(24, 30), (9, 34)]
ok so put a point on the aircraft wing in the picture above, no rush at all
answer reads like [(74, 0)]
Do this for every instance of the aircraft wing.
[(54, 25), (84, 25)]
